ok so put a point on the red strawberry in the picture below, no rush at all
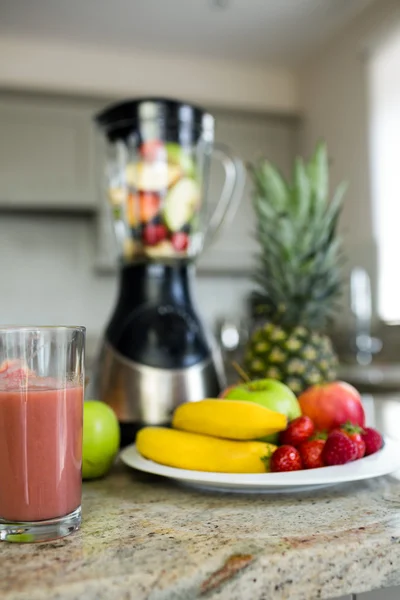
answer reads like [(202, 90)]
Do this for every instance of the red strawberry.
[(354, 432), (286, 458), (311, 453), (299, 430), (339, 449), (373, 440), (180, 241), (153, 234)]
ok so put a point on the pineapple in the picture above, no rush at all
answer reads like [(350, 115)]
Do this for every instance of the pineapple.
[(297, 276)]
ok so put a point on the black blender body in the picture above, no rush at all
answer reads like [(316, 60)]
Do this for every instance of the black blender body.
[(156, 351), (155, 310)]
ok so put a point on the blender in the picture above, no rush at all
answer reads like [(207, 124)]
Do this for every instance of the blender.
[(156, 352)]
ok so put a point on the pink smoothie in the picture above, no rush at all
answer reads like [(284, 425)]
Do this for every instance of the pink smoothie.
[(40, 452)]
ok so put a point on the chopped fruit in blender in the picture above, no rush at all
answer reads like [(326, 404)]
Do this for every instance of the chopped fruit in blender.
[(153, 150), (186, 228), (131, 248), (117, 213), (152, 176), (136, 232), (132, 210), (180, 240), (149, 206), (153, 234), (181, 203), (157, 220), (117, 195), (178, 155), (163, 249)]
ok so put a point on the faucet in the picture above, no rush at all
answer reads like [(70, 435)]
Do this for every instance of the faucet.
[(361, 307)]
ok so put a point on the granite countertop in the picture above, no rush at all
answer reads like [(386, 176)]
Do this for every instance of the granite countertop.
[(146, 538)]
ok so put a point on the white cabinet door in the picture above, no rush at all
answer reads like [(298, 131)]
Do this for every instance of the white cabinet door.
[(249, 137), (47, 153)]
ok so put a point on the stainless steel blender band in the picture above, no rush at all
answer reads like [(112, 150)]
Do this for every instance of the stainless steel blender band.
[(142, 394)]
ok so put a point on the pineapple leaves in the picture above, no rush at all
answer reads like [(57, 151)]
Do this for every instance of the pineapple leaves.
[(335, 206), (300, 257), (272, 185), (301, 190), (318, 173)]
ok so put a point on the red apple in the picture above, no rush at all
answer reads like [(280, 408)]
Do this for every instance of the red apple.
[(332, 404)]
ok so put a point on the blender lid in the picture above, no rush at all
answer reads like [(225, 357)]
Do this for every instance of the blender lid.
[(119, 117)]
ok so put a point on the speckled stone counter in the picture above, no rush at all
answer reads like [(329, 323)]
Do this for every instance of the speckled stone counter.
[(145, 538)]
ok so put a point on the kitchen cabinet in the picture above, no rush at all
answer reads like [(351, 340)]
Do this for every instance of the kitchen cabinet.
[(47, 153)]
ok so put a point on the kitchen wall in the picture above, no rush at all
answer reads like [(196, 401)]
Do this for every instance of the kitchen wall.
[(101, 71), (334, 97)]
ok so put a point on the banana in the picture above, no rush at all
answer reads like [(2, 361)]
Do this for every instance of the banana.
[(192, 451), (231, 419)]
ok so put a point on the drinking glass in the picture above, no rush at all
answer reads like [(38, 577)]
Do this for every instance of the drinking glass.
[(41, 422)]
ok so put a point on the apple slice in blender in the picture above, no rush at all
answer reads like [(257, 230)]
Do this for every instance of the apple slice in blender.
[(178, 155), (181, 203), (152, 176)]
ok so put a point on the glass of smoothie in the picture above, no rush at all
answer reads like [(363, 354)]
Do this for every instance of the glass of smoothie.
[(41, 421)]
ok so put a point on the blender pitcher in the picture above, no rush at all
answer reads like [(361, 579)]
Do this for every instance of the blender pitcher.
[(158, 161), (156, 351)]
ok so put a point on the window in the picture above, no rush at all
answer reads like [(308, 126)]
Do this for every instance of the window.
[(384, 82)]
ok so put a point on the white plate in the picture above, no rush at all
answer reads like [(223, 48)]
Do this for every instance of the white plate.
[(383, 462)]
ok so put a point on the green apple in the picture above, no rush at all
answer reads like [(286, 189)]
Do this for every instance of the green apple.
[(269, 393), (101, 438)]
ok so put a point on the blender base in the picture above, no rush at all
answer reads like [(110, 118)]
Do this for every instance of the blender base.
[(141, 395)]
